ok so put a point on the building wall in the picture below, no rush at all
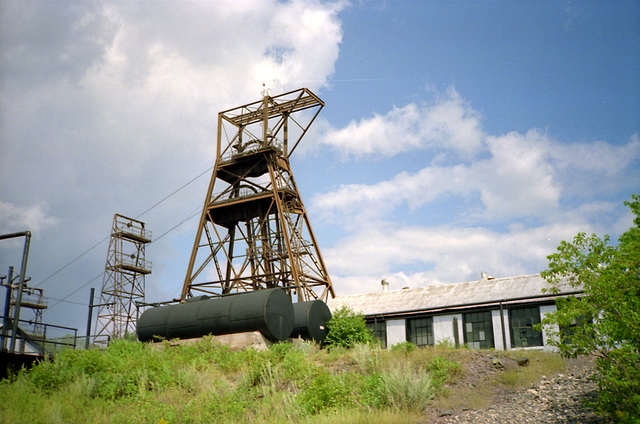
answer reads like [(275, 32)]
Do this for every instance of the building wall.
[(396, 332), (443, 331), (497, 329), (544, 310)]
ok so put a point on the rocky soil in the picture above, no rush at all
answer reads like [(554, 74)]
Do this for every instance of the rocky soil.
[(554, 399)]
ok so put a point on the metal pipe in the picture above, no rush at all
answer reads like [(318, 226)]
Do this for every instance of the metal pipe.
[(23, 271), (14, 235), (5, 315), (86, 343)]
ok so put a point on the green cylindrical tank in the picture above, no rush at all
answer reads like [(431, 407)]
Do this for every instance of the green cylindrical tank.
[(311, 320), (268, 311)]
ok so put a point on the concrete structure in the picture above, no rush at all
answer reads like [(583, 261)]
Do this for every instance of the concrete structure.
[(236, 341), (489, 313)]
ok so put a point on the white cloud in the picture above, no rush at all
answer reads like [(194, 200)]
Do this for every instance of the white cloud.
[(374, 200), (33, 218), (518, 176), (598, 156), (506, 210), (518, 179), (117, 100), (449, 123), (107, 107), (440, 254)]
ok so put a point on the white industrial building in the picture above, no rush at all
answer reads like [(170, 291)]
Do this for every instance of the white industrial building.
[(488, 313)]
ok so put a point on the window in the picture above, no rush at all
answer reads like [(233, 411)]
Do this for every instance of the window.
[(521, 322), (420, 331), (478, 330), (578, 327), (379, 330)]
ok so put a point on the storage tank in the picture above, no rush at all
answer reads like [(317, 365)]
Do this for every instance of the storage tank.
[(311, 320), (268, 311)]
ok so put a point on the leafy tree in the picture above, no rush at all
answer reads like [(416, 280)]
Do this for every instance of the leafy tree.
[(605, 321), (346, 329)]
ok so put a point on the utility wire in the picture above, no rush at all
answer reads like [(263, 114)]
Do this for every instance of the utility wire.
[(64, 299), (175, 191), (189, 217), (76, 291), (74, 260), (107, 238)]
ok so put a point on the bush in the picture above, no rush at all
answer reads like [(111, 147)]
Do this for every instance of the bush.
[(346, 329), (444, 370), (326, 391), (407, 388), (404, 347)]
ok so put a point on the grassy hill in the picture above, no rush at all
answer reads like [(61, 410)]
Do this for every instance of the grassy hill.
[(205, 382)]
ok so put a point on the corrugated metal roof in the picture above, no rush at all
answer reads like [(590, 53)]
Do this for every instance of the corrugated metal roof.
[(446, 295)]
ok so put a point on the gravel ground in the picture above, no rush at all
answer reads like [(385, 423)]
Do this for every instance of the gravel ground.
[(557, 399)]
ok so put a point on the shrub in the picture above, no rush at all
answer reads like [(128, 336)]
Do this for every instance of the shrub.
[(404, 347), (367, 357), (443, 370), (407, 388), (608, 314), (325, 392), (346, 329)]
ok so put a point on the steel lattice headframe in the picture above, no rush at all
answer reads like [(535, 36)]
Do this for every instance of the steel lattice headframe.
[(254, 232)]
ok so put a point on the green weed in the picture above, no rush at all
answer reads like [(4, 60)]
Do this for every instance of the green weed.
[(404, 347), (205, 382)]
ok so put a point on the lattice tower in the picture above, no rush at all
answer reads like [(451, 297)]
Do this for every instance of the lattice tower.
[(124, 279), (254, 232)]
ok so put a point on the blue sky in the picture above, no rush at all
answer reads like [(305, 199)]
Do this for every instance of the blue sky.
[(457, 137)]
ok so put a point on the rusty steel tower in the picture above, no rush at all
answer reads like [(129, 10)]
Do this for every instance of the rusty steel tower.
[(124, 279), (254, 232)]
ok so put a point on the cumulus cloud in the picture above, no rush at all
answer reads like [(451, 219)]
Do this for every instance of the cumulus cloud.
[(518, 175), (443, 254), (506, 210), (21, 218), (117, 100), (517, 180), (448, 123), (107, 107), (411, 189)]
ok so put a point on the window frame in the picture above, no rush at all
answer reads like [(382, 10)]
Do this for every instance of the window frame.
[(378, 328), (522, 327), (425, 335), (482, 335)]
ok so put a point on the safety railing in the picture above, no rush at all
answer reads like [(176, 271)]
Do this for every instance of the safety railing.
[(132, 262), (36, 338)]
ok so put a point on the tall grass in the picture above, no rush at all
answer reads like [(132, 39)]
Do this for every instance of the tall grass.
[(205, 382)]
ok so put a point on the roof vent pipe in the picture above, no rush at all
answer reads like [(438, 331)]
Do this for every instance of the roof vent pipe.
[(385, 286)]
